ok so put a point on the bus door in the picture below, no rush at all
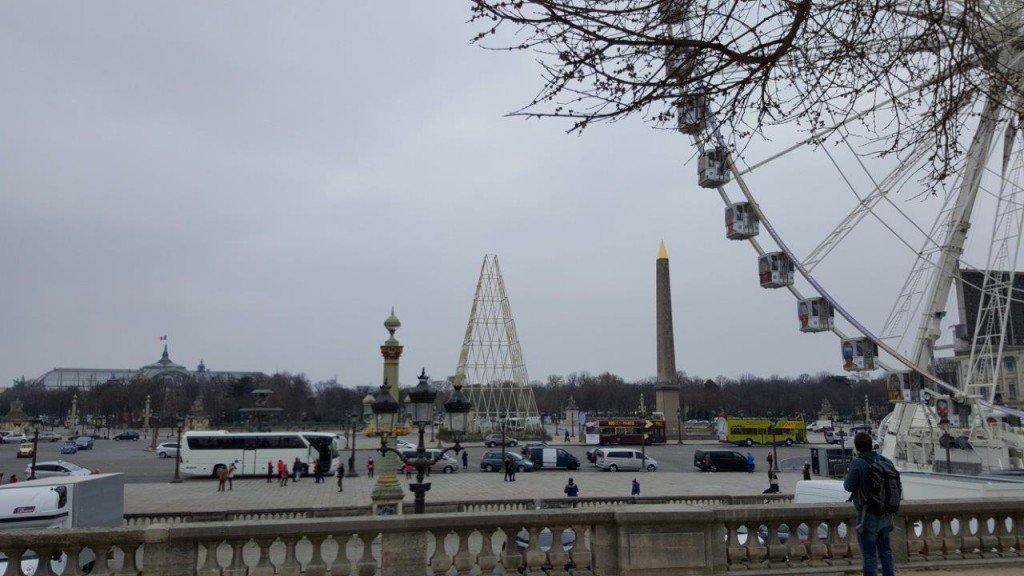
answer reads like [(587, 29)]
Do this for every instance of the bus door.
[(249, 465)]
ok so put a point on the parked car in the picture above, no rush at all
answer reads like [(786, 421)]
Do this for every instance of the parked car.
[(26, 450), (526, 447), (15, 438), (69, 447), (48, 436), (445, 463), (56, 468), (491, 462), (493, 440), (615, 459), (127, 435), (553, 458), (84, 442), (720, 461), (167, 450)]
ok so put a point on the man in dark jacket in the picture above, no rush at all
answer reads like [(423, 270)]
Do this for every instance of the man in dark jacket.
[(872, 529)]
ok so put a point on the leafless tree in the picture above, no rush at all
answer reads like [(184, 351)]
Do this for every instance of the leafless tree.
[(901, 73)]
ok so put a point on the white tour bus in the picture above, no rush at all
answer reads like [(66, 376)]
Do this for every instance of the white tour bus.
[(204, 453)]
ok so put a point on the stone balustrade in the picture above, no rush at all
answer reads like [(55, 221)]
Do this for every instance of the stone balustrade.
[(601, 540)]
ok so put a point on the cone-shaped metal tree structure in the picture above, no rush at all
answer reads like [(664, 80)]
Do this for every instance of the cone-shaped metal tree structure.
[(491, 367)]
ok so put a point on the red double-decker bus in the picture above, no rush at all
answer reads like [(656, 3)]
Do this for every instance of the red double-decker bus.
[(627, 431)]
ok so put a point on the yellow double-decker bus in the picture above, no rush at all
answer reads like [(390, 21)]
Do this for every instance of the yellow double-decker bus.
[(750, 431)]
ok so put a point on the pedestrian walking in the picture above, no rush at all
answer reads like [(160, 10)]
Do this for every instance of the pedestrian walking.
[(566, 435), (341, 477), (807, 471), (771, 461), (369, 468), (231, 476), (296, 469), (508, 468), (636, 487), (873, 527), (318, 475), (282, 473), (408, 471), (750, 463), (465, 460), (270, 471)]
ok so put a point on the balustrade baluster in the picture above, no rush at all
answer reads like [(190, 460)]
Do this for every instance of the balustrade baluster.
[(1006, 530), (777, 551), (237, 566), (263, 566), (756, 550), (511, 559), (316, 566), (816, 549), (487, 560), (464, 560), (970, 542), (581, 554), (933, 540), (796, 550), (916, 551), (988, 537), (366, 566), (127, 554), (72, 566), (289, 565), (535, 557), (101, 566), (950, 541), (838, 546), (557, 555), (440, 562), (211, 567), (735, 553)]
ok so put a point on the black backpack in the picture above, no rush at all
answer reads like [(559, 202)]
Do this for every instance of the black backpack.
[(884, 488)]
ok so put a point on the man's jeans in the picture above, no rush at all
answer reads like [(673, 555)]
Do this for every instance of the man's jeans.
[(874, 544)]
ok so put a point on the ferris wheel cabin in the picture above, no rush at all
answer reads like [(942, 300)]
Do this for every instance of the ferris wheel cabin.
[(815, 314), (741, 222), (904, 386), (859, 354), (691, 114), (775, 270), (713, 168)]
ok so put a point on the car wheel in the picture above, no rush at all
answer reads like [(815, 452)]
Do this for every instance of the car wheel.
[(575, 466), (512, 443), (789, 442), (116, 439), (713, 468), (448, 469), (162, 454), (488, 468), (520, 468), (749, 442), (489, 444), (651, 467), (613, 468)]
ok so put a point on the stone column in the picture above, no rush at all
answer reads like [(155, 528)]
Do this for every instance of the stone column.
[(666, 389), (387, 492)]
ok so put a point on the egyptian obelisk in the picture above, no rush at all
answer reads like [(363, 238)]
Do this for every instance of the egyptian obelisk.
[(666, 388)]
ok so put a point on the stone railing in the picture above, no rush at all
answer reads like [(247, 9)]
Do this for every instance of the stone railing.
[(615, 540), (441, 507)]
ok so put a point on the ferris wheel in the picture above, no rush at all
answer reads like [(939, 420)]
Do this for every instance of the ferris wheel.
[(966, 235)]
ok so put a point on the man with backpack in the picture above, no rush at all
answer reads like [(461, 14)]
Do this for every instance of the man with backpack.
[(876, 491)]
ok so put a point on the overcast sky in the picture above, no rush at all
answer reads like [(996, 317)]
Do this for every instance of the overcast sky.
[(263, 181)]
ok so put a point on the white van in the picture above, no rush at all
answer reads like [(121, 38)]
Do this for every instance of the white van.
[(624, 459)]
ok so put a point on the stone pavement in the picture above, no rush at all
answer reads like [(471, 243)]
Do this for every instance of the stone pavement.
[(257, 493)]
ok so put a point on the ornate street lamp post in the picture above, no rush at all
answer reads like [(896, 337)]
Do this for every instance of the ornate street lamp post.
[(421, 401), (353, 420), (177, 457), (35, 449)]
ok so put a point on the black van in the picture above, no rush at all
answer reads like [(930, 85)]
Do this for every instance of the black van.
[(719, 460)]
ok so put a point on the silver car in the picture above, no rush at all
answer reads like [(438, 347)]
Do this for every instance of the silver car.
[(167, 450), (56, 468)]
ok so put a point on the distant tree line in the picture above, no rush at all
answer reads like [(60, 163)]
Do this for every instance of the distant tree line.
[(327, 404)]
